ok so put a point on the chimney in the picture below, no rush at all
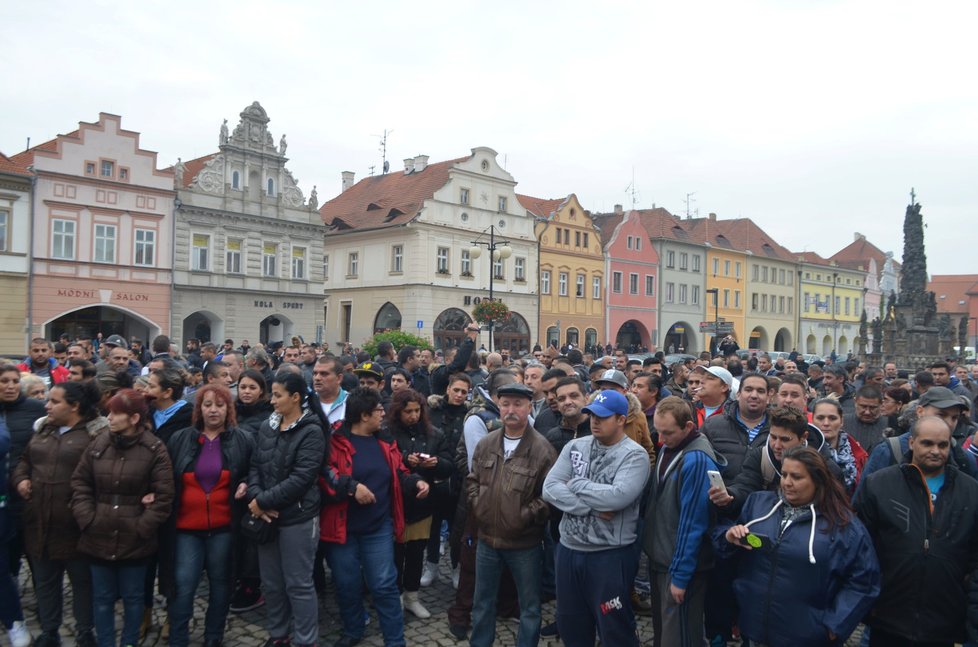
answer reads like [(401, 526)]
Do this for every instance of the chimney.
[(347, 177), (857, 237), (420, 163), (618, 209), (408, 165), (713, 217)]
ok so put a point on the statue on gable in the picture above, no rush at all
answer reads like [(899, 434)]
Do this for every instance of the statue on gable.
[(282, 145), (313, 199), (224, 133), (178, 170)]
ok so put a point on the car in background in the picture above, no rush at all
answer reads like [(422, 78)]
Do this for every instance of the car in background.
[(672, 358)]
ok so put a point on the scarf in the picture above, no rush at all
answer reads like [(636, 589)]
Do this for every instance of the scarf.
[(847, 462)]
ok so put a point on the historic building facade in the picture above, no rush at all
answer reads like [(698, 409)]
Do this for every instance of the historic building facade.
[(832, 302), (101, 249), (15, 231), (400, 253), (572, 270), (249, 246)]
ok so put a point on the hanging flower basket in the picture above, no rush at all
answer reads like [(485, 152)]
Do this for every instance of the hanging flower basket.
[(486, 311)]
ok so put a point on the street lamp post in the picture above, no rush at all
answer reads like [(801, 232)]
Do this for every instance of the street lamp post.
[(716, 319), (835, 322), (497, 251)]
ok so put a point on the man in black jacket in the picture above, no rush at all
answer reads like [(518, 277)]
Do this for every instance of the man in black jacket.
[(456, 359), (742, 425), (923, 520)]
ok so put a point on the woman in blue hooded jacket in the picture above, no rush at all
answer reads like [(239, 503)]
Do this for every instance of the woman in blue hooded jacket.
[(807, 571)]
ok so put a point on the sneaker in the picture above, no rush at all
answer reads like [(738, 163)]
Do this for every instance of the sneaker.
[(455, 576), (443, 548), (461, 632), (84, 639), (19, 635), (410, 602), (54, 640), (430, 574), (640, 606), (549, 631), (246, 598)]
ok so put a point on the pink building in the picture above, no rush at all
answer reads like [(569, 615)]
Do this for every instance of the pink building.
[(631, 267), (102, 235)]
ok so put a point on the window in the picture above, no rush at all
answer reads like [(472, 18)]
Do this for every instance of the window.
[(628, 242), (442, 260), (616, 282), (638, 243), (764, 273), (271, 187), (4, 229), (298, 263), (716, 266), (753, 301), (545, 282), (682, 292), (763, 303), (519, 269), (726, 268), (683, 260), (123, 174), (755, 272), (737, 269), (836, 310), (89, 168), (586, 246), (232, 256), (397, 258), (108, 168), (145, 247), (63, 239), (847, 305), (596, 288), (649, 285), (353, 264), (670, 259), (726, 298), (200, 253), (789, 303), (562, 284), (781, 305), (325, 267), (104, 244), (781, 278), (235, 180), (670, 292), (268, 256), (695, 295), (737, 299), (502, 203), (791, 278), (466, 263), (696, 262), (633, 283), (580, 286), (463, 196), (855, 306), (497, 269), (577, 239), (807, 298)]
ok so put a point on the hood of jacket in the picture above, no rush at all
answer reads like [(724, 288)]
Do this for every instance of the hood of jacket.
[(94, 427), (815, 440)]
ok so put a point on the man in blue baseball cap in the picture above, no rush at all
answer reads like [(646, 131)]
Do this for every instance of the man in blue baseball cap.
[(597, 482)]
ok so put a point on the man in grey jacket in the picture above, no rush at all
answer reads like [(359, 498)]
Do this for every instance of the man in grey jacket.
[(598, 482)]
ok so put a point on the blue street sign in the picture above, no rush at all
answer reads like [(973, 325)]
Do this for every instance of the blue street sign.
[(420, 324)]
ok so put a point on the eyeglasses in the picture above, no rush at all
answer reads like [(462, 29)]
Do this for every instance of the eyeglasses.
[(380, 408)]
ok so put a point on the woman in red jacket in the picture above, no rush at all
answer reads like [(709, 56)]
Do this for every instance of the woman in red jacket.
[(363, 517)]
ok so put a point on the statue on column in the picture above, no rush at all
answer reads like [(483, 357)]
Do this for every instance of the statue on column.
[(877, 336), (224, 132), (313, 199), (282, 145)]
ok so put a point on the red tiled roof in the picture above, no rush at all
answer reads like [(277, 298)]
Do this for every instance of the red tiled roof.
[(659, 223), (386, 200), (954, 289), (26, 158), (606, 224), (540, 207), (812, 257), (857, 254), (192, 168), (10, 167)]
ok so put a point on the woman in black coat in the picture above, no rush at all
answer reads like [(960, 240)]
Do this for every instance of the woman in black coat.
[(252, 405)]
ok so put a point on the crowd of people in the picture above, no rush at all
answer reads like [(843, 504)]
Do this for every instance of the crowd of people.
[(778, 503)]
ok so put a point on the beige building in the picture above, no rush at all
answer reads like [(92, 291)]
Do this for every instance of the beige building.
[(15, 228), (399, 253)]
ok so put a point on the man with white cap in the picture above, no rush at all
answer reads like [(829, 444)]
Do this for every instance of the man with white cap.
[(713, 393), (598, 482)]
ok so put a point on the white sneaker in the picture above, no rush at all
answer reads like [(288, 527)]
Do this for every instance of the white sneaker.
[(19, 635), (455, 574), (412, 604), (443, 548), (430, 574)]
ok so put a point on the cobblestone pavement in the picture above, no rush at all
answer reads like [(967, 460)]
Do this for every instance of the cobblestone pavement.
[(247, 629)]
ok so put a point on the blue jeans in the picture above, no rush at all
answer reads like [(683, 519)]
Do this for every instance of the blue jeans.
[(526, 565), (110, 581), (194, 553), (368, 558)]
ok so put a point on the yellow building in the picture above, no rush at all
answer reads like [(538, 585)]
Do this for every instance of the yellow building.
[(572, 269), (831, 304), (726, 271)]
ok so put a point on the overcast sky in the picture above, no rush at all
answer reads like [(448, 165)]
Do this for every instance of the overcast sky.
[(814, 118)]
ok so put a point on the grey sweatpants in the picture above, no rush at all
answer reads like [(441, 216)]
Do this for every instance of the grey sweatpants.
[(286, 582), (678, 625)]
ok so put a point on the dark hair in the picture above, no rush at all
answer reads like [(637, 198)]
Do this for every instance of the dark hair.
[(399, 402), (257, 378), (798, 379), (109, 382), (222, 393), (60, 348), (596, 367), (384, 348), (754, 376), (362, 356), (499, 377), (296, 383), (574, 356), (652, 380), (406, 353), (789, 419), (161, 344), (553, 373), (397, 370), (837, 370), (899, 394), (361, 400), (677, 408), (633, 362), (651, 361), (735, 366), (336, 365), (870, 392), (923, 377), (871, 372), (130, 402), (85, 394), (213, 369), (87, 368), (944, 365), (571, 380), (460, 377), (829, 401), (171, 378), (39, 341), (830, 500)]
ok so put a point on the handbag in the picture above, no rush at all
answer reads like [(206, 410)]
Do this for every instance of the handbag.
[(258, 530)]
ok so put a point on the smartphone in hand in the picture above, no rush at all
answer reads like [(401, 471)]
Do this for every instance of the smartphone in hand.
[(756, 540), (716, 480)]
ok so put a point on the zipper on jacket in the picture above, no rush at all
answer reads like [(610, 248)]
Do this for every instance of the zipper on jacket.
[(207, 506)]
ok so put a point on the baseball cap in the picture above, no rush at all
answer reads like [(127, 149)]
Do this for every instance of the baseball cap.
[(614, 377), (116, 340), (608, 403), (718, 372), (370, 369), (940, 397), (515, 388)]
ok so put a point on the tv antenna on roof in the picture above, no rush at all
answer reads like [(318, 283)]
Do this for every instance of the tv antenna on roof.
[(688, 196), (632, 189), (383, 150)]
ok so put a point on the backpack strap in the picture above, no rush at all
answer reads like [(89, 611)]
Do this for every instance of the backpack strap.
[(767, 468), (895, 448)]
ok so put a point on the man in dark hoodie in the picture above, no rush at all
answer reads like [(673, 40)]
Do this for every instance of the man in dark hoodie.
[(456, 359)]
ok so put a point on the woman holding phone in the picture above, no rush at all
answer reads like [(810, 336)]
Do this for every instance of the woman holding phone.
[(807, 571)]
